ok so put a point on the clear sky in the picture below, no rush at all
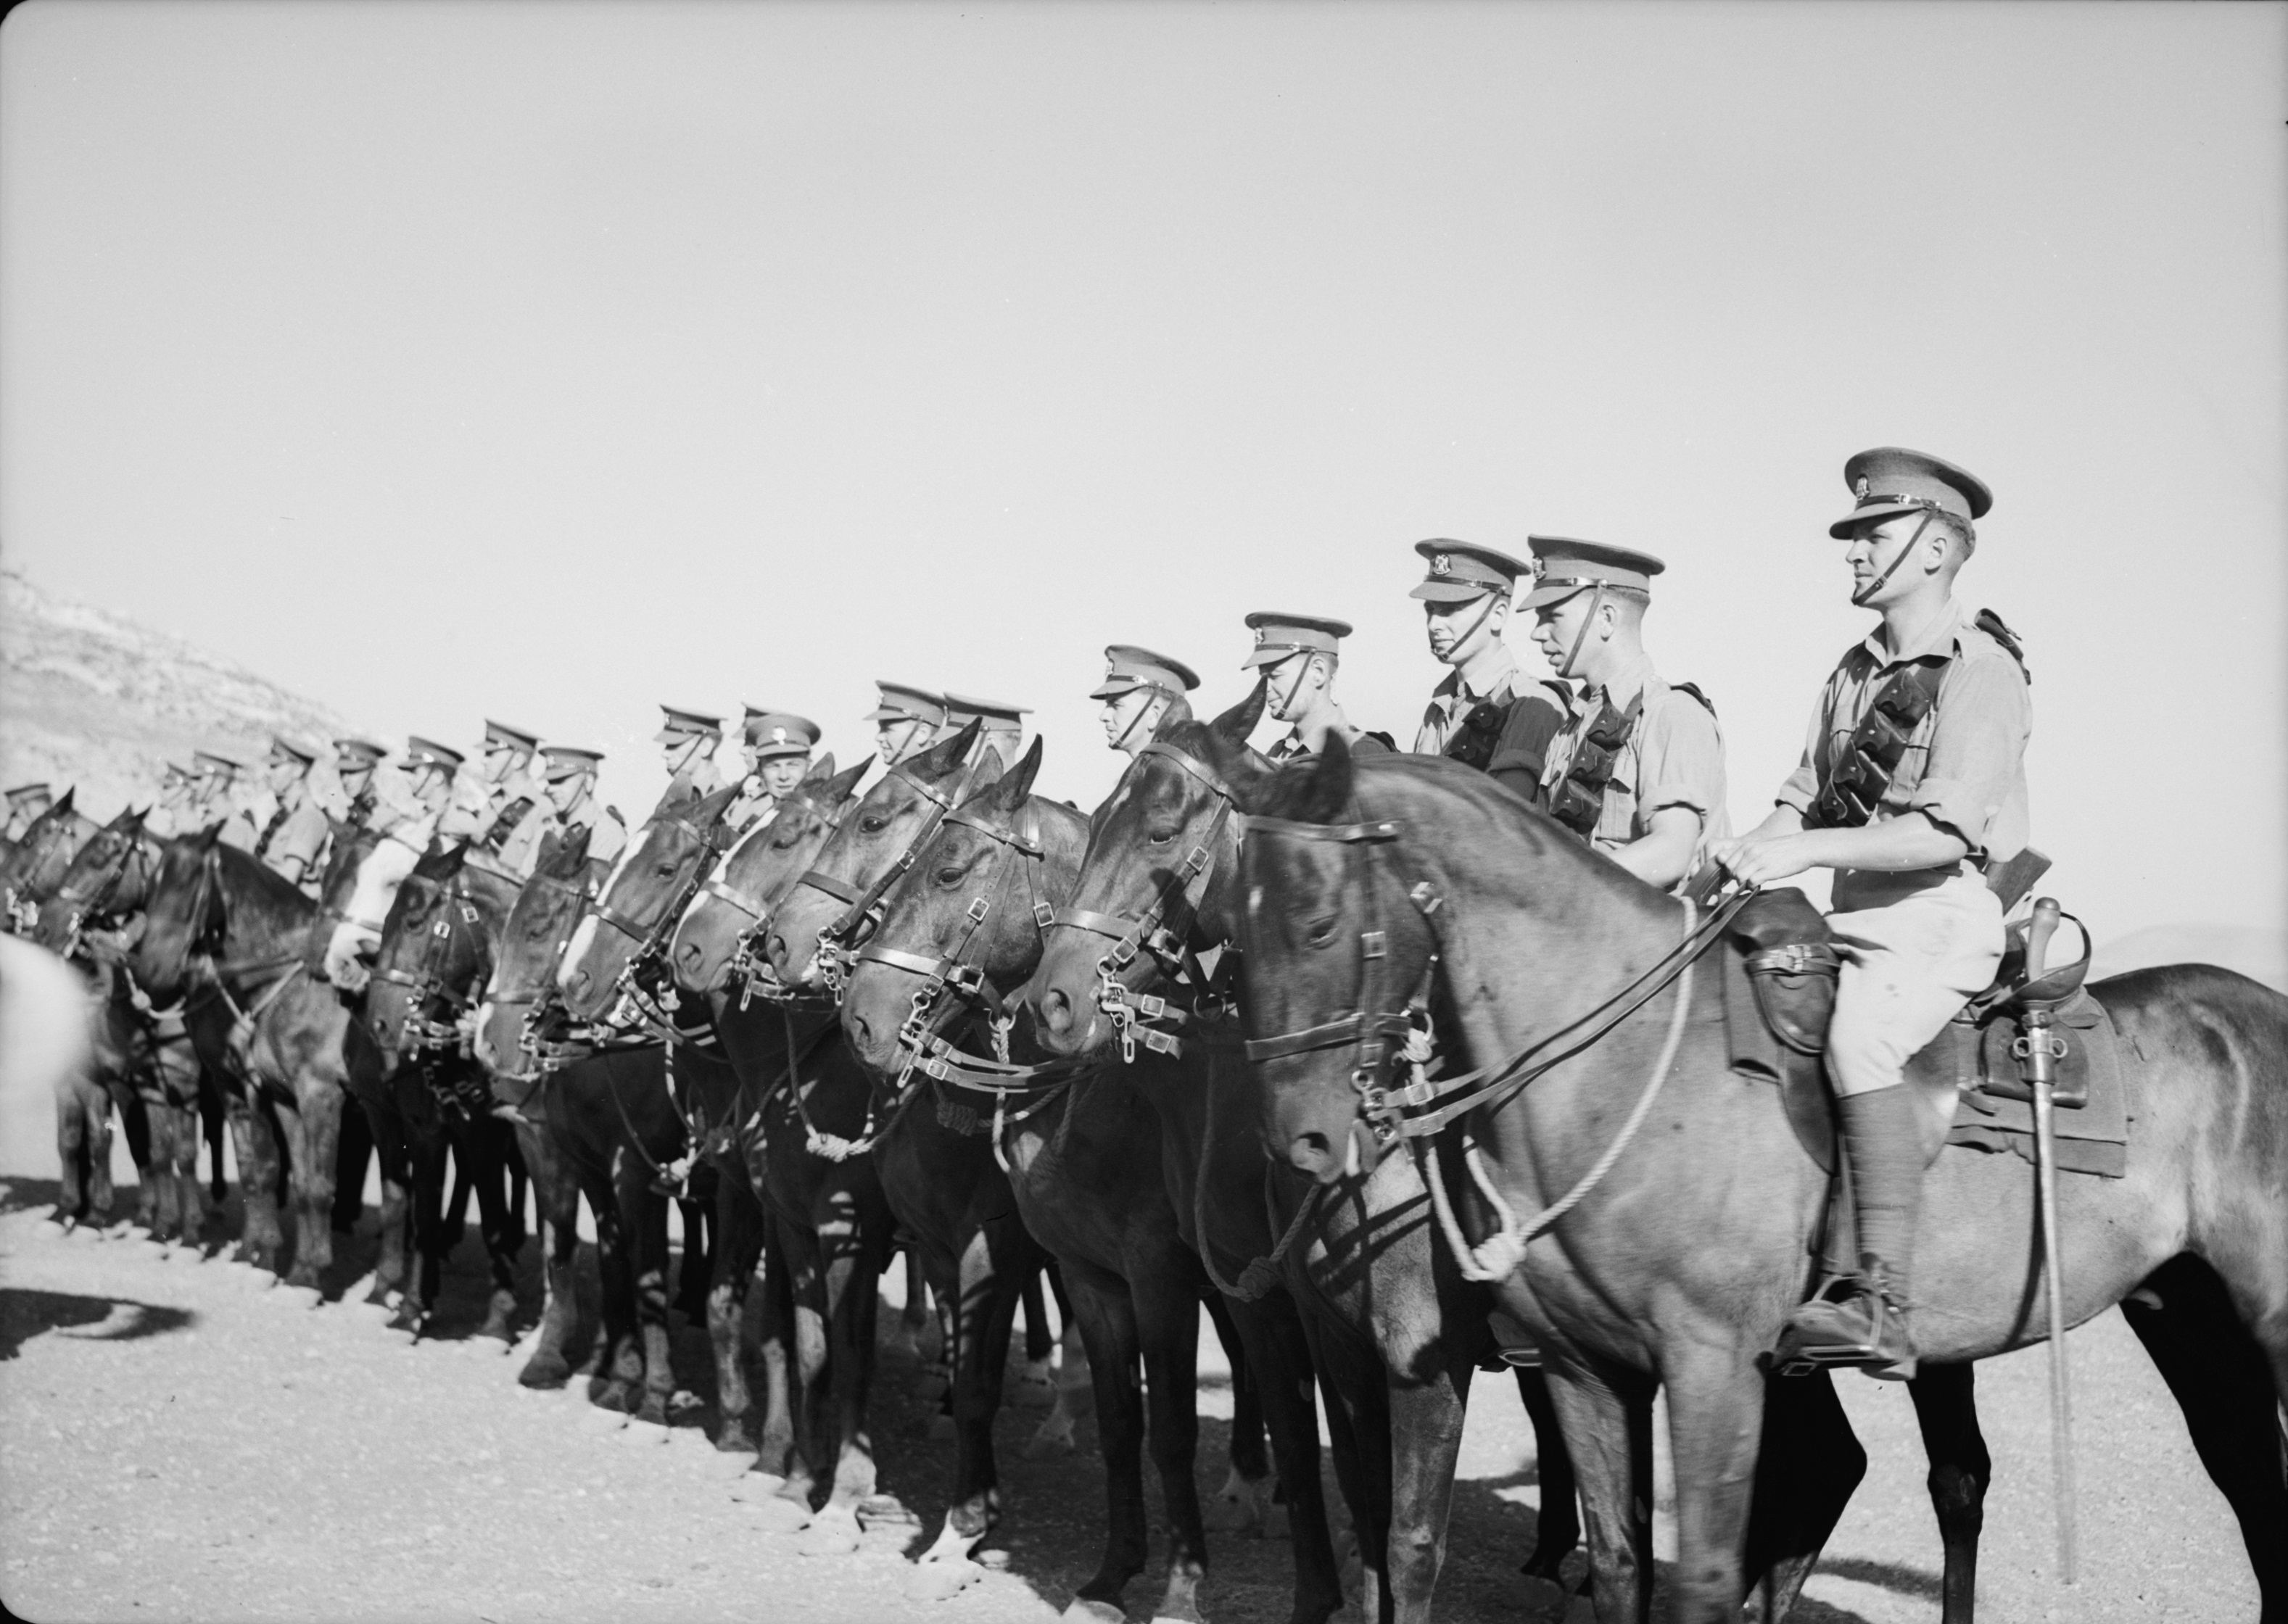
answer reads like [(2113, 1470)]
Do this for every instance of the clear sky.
[(550, 361)]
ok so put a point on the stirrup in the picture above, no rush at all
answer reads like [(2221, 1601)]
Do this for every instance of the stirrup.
[(1838, 1334)]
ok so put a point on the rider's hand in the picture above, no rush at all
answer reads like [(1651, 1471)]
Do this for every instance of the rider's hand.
[(1760, 858)]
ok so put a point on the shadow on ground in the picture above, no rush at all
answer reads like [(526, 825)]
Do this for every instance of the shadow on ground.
[(25, 1314)]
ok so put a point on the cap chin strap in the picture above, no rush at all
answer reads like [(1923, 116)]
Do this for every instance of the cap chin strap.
[(1596, 602), (1159, 697), (1303, 662), (1859, 600), (1492, 598)]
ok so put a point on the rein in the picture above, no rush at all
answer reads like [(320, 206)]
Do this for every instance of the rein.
[(1424, 1107), (457, 915)]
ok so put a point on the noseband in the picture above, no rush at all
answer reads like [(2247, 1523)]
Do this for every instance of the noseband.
[(457, 915), (862, 910)]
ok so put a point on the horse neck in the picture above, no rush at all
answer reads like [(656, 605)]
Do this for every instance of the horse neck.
[(264, 917)]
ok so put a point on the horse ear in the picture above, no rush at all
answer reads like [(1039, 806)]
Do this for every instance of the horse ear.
[(1318, 792), (572, 850), (710, 809), (941, 758), (822, 768), (1234, 726), (843, 785), (1017, 782), (64, 801)]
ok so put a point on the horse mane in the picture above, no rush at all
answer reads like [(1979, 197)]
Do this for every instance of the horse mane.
[(258, 890), (441, 862)]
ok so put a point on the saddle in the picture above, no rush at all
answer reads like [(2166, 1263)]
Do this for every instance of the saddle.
[(1780, 969)]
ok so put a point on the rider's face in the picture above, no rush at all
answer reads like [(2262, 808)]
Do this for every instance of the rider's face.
[(1554, 626), (1121, 712), (1459, 631), (1290, 687), (564, 793), (893, 738), (780, 773)]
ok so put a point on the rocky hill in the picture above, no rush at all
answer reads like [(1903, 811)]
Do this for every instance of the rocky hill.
[(90, 698)]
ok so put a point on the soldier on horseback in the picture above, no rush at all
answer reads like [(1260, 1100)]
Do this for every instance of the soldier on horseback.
[(25, 802), (1637, 769), (429, 769), (569, 802), (505, 779), (688, 741), (776, 746), (1485, 714), (907, 721), (294, 830), (358, 797), (1296, 656), (1912, 784), (219, 796), (1140, 691)]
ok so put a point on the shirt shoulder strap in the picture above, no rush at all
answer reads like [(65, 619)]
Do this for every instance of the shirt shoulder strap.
[(1693, 689), (1993, 626)]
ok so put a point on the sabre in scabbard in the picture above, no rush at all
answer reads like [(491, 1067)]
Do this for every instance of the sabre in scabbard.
[(2038, 1052)]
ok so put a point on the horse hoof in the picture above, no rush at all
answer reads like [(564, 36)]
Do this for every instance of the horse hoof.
[(832, 1533), (780, 1515), (758, 1488), (935, 1582), (1083, 1610), (544, 1371), (1035, 1387), (638, 1432)]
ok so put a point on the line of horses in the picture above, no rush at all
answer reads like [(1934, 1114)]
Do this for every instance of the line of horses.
[(1133, 1053)]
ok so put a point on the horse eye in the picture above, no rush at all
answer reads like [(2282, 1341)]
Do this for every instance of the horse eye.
[(948, 876), (873, 826), (1321, 931), (1158, 839), (665, 871)]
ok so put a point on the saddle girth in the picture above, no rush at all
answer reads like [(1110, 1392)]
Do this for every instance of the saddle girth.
[(1577, 801)]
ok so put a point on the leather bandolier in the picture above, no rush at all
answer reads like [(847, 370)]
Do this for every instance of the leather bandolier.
[(1857, 779), (1473, 743), (1577, 800)]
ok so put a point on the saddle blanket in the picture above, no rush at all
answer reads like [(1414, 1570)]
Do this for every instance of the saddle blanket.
[(2092, 1138)]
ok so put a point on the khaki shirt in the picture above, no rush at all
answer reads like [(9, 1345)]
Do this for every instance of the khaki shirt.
[(1450, 703), (752, 807), (697, 779), (607, 834), (301, 833), (1292, 748), (1674, 756), (1965, 765)]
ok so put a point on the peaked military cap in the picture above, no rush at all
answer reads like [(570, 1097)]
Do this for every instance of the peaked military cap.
[(1461, 571), (995, 717), (174, 772), (901, 703), (1128, 668), (1279, 635), (215, 762), (357, 754), (568, 761), (282, 749), (1569, 567), (1890, 480), (428, 752), (25, 792), (686, 724), (780, 733), (515, 738)]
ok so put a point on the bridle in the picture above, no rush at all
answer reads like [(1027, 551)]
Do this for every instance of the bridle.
[(1424, 1105), (203, 924), (649, 936), (539, 999), (94, 904), (861, 909), (1163, 930), (453, 918), (21, 899), (749, 969)]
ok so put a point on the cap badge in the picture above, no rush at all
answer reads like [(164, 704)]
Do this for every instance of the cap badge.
[(778, 735), (1860, 488), (1442, 564), (1259, 635)]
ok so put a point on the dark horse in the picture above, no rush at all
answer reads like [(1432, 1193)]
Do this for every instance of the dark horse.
[(32, 868), (435, 953), (235, 941), (1158, 892), (1378, 890), (1100, 1161), (941, 1183)]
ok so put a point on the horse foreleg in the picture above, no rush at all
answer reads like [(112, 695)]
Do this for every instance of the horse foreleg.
[(74, 1146), (485, 1141), (386, 1129), (854, 1256), (1108, 1331), (1605, 1412), (1425, 1440), (983, 1285), (1280, 1358), (1168, 1336), (256, 1144), (1557, 1529), (739, 1225), (776, 1340), (425, 1271), (644, 1217), (316, 1152), (557, 1197), (1809, 1465), (620, 1357), (695, 1273), (2230, 1386), (214, 1119), (352, 1151), (1946, 1405), (1248, 1482), (1715, 1427)]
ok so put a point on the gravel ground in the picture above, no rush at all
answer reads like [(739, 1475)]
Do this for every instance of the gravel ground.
[(178, 1443)]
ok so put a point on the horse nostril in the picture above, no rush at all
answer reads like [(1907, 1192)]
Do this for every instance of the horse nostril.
[(777, 949), (861, 1030), (1311, 1154), (1056, 1011)]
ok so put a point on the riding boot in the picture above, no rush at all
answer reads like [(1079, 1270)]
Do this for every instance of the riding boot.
[(1862, 1320)]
